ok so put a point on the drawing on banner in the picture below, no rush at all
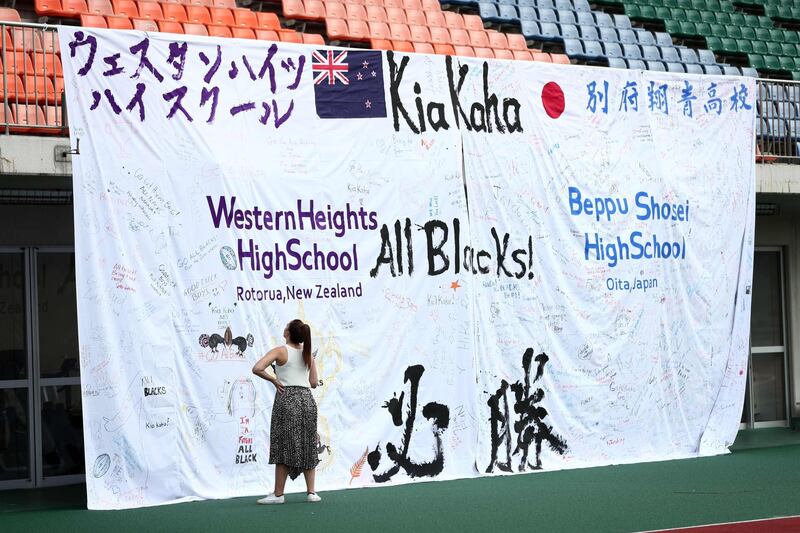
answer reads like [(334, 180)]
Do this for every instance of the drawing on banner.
[(437, 413), (228, 343), (530, 427)]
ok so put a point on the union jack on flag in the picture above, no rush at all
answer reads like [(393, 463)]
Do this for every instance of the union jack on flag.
[(348, 83), (329, 67)]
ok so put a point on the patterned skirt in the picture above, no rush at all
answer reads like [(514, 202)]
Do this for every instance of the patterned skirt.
[(293, 430)]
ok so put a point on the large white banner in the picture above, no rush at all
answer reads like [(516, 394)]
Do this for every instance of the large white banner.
[(506, 266)]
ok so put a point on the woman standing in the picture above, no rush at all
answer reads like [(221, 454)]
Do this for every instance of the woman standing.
[(293, 430)]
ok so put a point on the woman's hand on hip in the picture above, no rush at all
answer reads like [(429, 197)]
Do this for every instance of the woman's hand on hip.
[(278, 385)]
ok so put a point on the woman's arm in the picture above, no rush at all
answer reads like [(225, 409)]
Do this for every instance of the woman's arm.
[(260, 368), (313, 380)]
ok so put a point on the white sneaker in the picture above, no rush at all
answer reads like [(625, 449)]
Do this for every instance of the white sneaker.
[(313, 498), (270, 499)]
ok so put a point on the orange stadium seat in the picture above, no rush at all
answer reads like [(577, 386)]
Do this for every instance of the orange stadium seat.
[(402, 46), (170, 26), (41, 90), (201, 3), (356, 12), (453, 20), (336, 29), (47, 7), (380, 44), (28, 115), (170, 2), (266, 35), (9, 42), (497, 40), (26, 39), (465, 51), (522, 55), (376, 14), (440, 35), (73, 8), (315, 10), (118, 22), (423, 48), (516, 42), (357, 30), (227, 4), (244, 18), (478, 39), (395, 15), (485, 53), (335, 10), (444, 49), (473, 22), (290, 37), (174, 13), (94, 21), (144, 24), (221, 16), (16, 89), (415, 17), (541, 56), (59, 84), (215, 30), (399, 32), (500, 53), (150, 10), (18, 62), (459, 37), (52, 116), (293, 9), (126, 7), (378, 30), (435, 19), (412, 4), (267, 21), (561, 59), (9, 14), (47, 64), (100, 7), (197, 14), (192, 28), (243, 33), (431, 5)]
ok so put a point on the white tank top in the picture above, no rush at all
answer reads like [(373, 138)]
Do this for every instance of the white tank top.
[(294, 373)]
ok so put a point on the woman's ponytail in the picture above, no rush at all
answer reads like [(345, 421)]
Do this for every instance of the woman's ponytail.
[(306, 329)]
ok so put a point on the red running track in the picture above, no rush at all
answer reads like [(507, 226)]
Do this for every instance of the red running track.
[(790, 524)]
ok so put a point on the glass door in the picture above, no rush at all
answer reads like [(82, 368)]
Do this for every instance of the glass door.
[(766, 403), (41, 436)]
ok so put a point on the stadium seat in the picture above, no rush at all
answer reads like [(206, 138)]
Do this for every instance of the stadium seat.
[(356, 12), (9, 14), (47, 64), (146, 25), (266, 35), (454, 20), (692, 68), (17, 62), (466, 51), (357, 30), (244, 18), (99, 7), (170, 26), (435, 19), (473, 22), (194, 14), (243, 33), (150, 10), (192, 28), (117, 22), (25, 39), (423, 48), (380, 44), (399, 32), (441, 35), (47, 7), (93, 21), (264, 21), (420, 34), (500, 53), (402, 46), (127, 8), (315, 10), (27, 115), (335, 28), (378, 30), (310, 38), (16, 89), (40, 90), (227, 4), (616, 62), (636, 64), (174, 13), (516, 42), (376, 14), (485, 53), (215, 30), (415, 17), (560, 59)]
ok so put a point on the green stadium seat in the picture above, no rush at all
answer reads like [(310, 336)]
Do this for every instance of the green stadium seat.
[(648, 13), (737, 19), (713, 43), (745, 46), (687, 29), (774, 49), (674, 26), (693, 16), (771, 11), (775, 35), (783, 12), (795, 12), (663, 13), (718, 30), (760, 47), (749, 33), (787, 63), (723, 18), (765, 22), (796, 76), (797, 63), (734, 32), (789, 49), (708, 16), (771, 63), (756, 61), (790, 36), (762, 34), (729, 45), (702, 28), (712, 5), (633, 11), (726, 7)]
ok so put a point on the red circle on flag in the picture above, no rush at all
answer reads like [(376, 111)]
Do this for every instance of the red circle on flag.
[(553, 99)]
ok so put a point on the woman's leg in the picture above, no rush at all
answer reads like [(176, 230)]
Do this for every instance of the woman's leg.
[(281, 473), (310, 474)]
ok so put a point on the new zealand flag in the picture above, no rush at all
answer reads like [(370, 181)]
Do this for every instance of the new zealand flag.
[(348, 84)]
